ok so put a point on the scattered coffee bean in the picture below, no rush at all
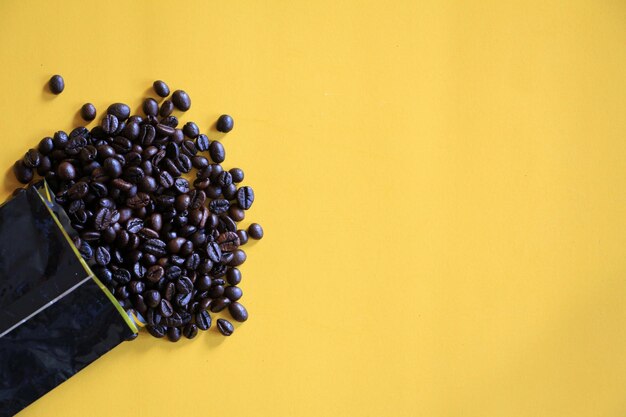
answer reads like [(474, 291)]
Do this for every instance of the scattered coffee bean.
[(150, 107), (120, 110), (238, 312), (255, 231), (167, 107), (161, 89), (88, 112), (181, 100), (203, 320), (56, 84), (225, 123), (225, 327), (190, 331), (217, 152)]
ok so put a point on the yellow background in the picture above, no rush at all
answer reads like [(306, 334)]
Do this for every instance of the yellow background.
[(442, 185)]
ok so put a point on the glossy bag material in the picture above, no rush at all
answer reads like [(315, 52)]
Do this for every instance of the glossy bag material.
[(55, 316)]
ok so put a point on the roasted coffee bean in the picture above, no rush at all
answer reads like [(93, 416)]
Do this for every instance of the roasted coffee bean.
[(155, 273), (23, 173), (122, 145), (190, 331), (133, 174), (173, 334), (216, 291), (157, 331), (103, 218), (228, 241), (181, 100), (120, 110), (233, 293), (224, 179), (152, 316), (233, 276), (202, 143), (243, 237), (238, 312), (203, 282), (219, 304), (155, 247), (110, 123), (66, 171), (236, 174), (161, 89), (219, 206), (174, 245), (166, 108), (131, 131), (88, 112), (85, 250), (173, 272), (225, 123), (214, 252), (225, 327), (139, 271), (171, 167), (225, 223), (60, 140), (203, 320), (139, 304), (56, 84), (236, 213), (239, 257), (102, 256), (164, 130), (152, 298), (184, 163), (134, 225), (184, 285), (138, 201), (217, 152), (255, 231), (136, 287), (113, 167), (121, 276), (32, 159), (193, 260), (227, 257), (230, 191), (46, 145), (191, 130), (181, 185), (182, 300), (165, 308), (147, 233), (150, 107), (147, 134), (245, 197)]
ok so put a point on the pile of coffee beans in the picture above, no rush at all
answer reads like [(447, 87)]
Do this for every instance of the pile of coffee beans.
[(168, 248)]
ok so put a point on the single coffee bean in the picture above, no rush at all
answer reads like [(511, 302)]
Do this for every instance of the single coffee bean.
[(181, 185), (155, 247), (166, 108), (56, 84), (181, 100), (165, 130), (219, 206), (191, 130), (155, 273), (190, 331), (110, 123), (229, 192), (238, 312), (214, 252), (217, 152), (32, 158), (113, 167), (161, 89), (236, 174), (228, 241), (152, 316), (184, 163), (102, 256), (239, 257), (255, 231), (121, 276), (139, 304), (147, 134), (225, 327), (46, 145), (225, 123), (203, 320), (236, 213), (233, 276), (217, 290), (202, 143), (219, 304), (165, 308), (150, 107), (23, 173), (60, 140), (156, 331), (120, 110), (173, 272), (103, 218), (88, 112), (66, 171), (245, 197), (136, 287), (173, 334), (233, 293)]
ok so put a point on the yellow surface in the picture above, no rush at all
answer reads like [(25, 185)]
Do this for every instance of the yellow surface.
[(442, 184)]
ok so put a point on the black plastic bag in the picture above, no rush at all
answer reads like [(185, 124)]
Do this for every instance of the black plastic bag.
[(55, 316)]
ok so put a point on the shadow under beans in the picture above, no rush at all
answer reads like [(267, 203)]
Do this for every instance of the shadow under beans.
[(46, 94)]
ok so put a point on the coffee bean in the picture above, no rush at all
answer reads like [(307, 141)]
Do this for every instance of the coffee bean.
[(217, 290), (181, 100), (147, 134), (191, 130), (203, 320), (152, 316), (217, 152), (225, 327), (155, 273), (136, 287), (239, 257), (139, 304), (102, 256), (23, 173), (233, 293), (238, 312), (66, 171), (225, 123), (173, 272), (233, 276), (164, 130), (190, 331), (150, 107), (225, 223), (161, 89), (181, 185), (88, 112), (214, 252), (184, 163), (237, 175), (155, 247), (139, 271), (110, 123), (156, 331), (120, 110), (245, 197), (236, 213), (228, 241), (103, 218), (255, 231), (113, 167), (85, 250), (202, 143), (166, 108), (32, 158), (219, 206), (56, 84), (121, 275), (46, 145), (60, 140), (173, 334), (184, 285), (165, 308), (219, 304)]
